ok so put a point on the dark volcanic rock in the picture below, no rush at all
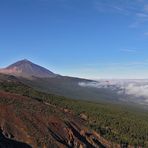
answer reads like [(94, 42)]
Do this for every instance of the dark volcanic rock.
[(8, 143)]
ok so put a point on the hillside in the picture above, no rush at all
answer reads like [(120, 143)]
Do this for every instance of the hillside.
[(68, 87), (39, 123), (42, 114), (44, 80)]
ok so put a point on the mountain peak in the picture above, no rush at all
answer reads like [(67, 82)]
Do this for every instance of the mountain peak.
[(25, 60), (25, 68), (21, 62)]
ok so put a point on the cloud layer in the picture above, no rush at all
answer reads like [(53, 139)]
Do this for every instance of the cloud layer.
[(129, 90)]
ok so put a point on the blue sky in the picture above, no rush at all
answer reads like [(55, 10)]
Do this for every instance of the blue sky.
[(83, 38)]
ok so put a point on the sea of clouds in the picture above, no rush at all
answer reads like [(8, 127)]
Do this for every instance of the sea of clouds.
[(132, 90)]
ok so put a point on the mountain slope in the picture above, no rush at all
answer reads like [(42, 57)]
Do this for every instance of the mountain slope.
[(27, 69), (44, 80), (54, 119), (40, 123), (69, 87)]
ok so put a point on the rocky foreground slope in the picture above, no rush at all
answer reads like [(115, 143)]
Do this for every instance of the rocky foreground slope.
[(37, 124)]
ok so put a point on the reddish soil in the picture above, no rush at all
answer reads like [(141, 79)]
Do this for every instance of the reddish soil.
[(26, 122)]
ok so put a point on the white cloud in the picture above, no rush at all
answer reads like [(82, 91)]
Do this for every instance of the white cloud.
[(139, 90), (92, 84), (135, 90), (129, 50), (142, 15), (137, 10)]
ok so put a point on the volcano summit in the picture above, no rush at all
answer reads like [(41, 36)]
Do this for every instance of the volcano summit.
[(27, 69)]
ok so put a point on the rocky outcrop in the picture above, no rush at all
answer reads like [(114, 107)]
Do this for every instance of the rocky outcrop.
[(7, 142)]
